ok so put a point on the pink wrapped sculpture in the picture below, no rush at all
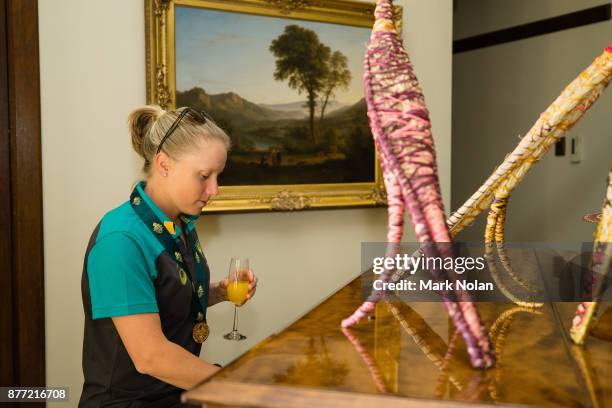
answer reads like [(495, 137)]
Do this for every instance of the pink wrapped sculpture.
[(400, 124)]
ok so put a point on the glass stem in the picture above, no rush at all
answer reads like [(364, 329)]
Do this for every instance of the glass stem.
[(235, 317)]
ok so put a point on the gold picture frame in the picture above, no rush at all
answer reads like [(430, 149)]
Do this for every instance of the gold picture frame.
[(161, 89)]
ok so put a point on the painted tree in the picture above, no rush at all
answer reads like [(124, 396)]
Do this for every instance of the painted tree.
[(338, 77), (301, 59)]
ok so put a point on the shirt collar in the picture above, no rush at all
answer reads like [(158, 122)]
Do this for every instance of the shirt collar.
[(174, 229)]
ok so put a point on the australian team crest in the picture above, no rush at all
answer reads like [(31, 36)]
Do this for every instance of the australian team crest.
[(183, 276), (157, 228)]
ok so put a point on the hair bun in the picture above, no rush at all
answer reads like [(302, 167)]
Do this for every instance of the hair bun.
[(140, 121)]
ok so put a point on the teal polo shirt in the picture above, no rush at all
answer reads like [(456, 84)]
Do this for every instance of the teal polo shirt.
[(127, 271)]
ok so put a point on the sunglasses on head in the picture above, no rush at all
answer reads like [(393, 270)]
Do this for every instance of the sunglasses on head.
[(197, 115)]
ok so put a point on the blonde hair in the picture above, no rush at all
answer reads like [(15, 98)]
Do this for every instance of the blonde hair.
[(148, 125)]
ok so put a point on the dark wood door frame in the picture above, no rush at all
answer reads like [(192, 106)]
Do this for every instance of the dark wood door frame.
[(6, 300), (541, 27), (22, 344)]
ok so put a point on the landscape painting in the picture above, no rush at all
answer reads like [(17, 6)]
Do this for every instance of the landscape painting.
[(288, 92)]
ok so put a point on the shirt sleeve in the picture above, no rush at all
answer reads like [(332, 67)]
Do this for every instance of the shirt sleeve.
[(119, 280)]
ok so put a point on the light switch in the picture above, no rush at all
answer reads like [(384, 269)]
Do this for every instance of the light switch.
[(575, 148)]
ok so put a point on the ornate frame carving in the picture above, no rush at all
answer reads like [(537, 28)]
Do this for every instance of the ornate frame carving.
[(161, 80)]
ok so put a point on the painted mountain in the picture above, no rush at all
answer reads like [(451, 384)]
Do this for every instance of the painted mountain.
[(299, 110), (271, 144)]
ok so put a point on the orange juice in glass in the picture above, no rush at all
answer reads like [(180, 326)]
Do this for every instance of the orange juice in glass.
[(237, 291)]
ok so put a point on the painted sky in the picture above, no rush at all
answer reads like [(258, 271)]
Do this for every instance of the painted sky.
[(222, 52)]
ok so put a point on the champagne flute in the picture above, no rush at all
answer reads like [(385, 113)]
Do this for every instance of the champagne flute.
[(237, 291)]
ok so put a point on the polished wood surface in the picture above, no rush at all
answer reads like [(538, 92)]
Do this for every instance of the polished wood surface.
[(412, 357)]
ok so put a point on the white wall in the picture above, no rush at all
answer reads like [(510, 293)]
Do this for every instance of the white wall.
[(92, 75), (498, 94)]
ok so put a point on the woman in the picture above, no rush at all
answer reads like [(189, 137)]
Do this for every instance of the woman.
[(146, 283)]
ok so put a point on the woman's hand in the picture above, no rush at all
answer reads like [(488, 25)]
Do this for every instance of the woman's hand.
[(246, 275), (252, 285)]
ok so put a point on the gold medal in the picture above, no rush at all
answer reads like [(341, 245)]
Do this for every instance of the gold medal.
[(200, 332)]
